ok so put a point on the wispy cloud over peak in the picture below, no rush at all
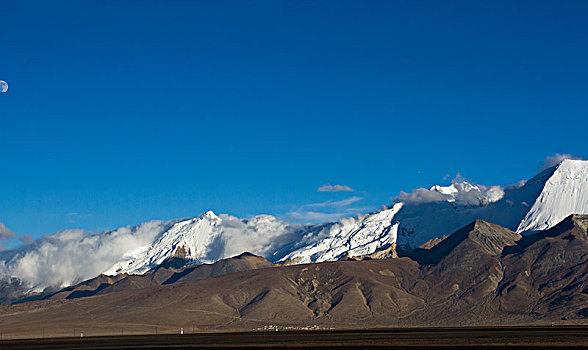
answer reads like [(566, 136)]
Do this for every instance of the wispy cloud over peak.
[(330, 203), (316, 217), (326, 211), (556, 159), (334, 188)]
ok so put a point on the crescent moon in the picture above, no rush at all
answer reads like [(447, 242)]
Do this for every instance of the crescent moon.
[(3, 86)]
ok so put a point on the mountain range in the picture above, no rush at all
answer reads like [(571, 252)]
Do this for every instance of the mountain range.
[(481, 275), (424, 215), (534, 205)]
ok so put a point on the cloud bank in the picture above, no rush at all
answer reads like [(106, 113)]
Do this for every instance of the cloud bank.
[(335, 188), (71, 256)]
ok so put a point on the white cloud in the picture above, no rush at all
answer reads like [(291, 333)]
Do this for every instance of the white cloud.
[(420, 195), (317, 217), (331, 203), (327, 211), (70, 256), (334, 188), (260, 235), (551, 161), (492, 193)]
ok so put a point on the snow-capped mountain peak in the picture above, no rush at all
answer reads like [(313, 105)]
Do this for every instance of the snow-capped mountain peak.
[(193, 235), (467, 193), (209, 215), (208, 238), (564, 193)]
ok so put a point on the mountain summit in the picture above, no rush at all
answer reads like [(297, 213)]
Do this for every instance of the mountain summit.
[(565, 192), (470, 243)]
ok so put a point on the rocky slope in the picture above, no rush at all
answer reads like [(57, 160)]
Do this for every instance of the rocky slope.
[(171, 271)]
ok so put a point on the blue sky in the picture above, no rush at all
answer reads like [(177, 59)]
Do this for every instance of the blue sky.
[(120, 112)]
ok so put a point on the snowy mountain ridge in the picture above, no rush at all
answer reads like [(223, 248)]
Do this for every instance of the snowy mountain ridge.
[(424, 214), (361, 235), (412, 220)]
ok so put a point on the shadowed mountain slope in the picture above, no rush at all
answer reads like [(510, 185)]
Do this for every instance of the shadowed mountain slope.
[(467, 263), (477, 239), (164, 274), (548, 272)]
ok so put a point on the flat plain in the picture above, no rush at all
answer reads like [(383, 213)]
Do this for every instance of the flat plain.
[(415, 338)]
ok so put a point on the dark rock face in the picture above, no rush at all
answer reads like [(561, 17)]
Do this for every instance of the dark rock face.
[(11, 290)]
